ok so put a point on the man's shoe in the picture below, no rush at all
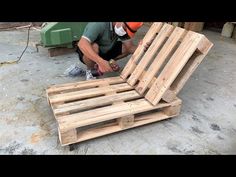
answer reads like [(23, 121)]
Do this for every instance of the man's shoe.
[(89, 75), (75, 70)]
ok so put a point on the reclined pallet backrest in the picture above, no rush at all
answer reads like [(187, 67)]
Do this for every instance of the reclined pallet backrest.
[(170, 60)]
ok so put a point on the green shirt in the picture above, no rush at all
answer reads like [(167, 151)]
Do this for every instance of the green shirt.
[(101, 33)]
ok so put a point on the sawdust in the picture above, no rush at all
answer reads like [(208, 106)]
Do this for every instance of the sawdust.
[(38, 136)]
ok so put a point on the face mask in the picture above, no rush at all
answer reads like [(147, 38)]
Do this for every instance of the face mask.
[(120, 31)]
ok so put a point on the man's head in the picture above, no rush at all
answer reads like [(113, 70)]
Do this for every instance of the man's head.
[(127, 29)]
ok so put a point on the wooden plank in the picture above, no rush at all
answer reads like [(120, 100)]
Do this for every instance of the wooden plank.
[(187, 25), (194, 26), (173, 67), (110, 80), (150, 35), (82, 85), (52, 52), (148, 56), (106, 113), (112, 128), (94, 102), (176, 24), (125, 121), (152, 81), (98, 132), (169, 94), (160, 59), (88, 93), (204, 46), (10, 25)]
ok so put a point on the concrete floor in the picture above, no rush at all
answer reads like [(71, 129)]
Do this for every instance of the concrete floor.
[(206, 125)]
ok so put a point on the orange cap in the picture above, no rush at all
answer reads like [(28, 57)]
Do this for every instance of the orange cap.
[(132, 27)]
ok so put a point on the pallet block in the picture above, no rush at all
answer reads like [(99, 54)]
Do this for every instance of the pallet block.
[(145, 92)]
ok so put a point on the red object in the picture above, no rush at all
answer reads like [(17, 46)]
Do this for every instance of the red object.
[(132, 27), (96, 71)]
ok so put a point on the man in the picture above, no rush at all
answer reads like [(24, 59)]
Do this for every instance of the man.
[(102, 41)]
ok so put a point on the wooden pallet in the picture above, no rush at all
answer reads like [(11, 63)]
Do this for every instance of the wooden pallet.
[(145, 92), (52, 52), (192, 26), (90, 109), (172, 57)]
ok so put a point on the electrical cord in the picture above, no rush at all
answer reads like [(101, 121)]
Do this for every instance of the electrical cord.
[(17, 61)]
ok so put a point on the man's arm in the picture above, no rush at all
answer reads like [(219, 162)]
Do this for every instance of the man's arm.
[(86, 47), (91, 33)]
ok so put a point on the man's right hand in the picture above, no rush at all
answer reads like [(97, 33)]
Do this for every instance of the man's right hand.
[(104, 66)]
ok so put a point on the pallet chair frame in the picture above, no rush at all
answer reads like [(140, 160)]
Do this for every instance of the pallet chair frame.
[(145, 92)]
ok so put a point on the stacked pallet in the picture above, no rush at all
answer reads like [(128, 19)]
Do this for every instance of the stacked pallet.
[(229, 30), (192, 26)]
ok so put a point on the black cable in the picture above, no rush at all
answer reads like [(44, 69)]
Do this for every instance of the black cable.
[(26, 44), (19, 58)]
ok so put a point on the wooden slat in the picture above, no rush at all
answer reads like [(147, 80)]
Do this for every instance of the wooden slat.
[(204, 46), (169, 94), (173, 67), (94, 102), (83, 85), (150, 35), (194, 26), (109, 80), (148, 56), (89, 93), (60, 51), (113, 127), (106, 113), (160, 59)]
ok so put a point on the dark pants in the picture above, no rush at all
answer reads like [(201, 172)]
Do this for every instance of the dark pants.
[(111, 54)]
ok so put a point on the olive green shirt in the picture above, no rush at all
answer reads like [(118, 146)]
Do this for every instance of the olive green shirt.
[(101, 33)]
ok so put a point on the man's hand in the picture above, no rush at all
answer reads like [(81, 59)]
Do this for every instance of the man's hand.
[(146, 46), (104, 66)]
